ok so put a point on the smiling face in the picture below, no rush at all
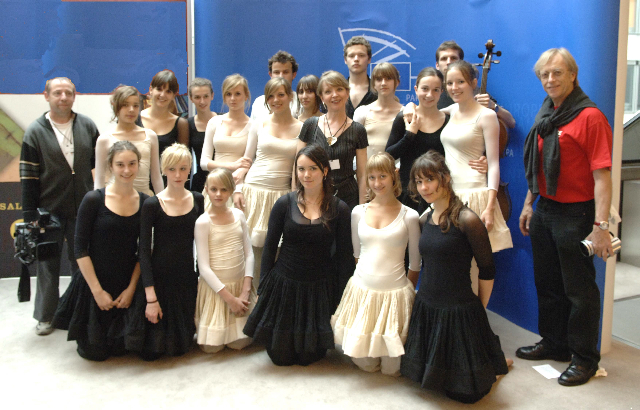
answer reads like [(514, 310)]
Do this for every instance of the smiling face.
[(357, 59), (380, 182), (202, 97), (129, 110), (429, 188), (60, 97), (161, 96), (428, 91), (279, 100), (557, 80), (124, 166), (309, 173), (458, 87), (218, 193), (334, 98), (307, 100), (235, 98)]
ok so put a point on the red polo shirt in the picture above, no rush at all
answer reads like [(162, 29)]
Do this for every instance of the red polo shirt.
[(585, 145)]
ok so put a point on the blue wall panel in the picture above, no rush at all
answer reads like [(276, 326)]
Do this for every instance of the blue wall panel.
[(97, 44), (240, 36)]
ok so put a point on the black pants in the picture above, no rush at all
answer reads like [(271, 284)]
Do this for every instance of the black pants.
[(568, 297)]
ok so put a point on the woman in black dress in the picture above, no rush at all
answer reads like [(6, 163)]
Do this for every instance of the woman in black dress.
[(300, 290), (419, 133), (163, 317), (106, 249), (450, 345), (201, 94), (342, 138)]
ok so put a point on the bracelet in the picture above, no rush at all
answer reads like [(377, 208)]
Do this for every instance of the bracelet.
[(153, 301)]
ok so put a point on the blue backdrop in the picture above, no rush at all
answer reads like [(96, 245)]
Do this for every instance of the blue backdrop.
[(98, 45), (240, 36)]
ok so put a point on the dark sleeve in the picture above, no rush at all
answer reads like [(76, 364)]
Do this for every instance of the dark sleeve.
[(307, 130), (147, 218), (87, 214), (361, 135), (94, 140), (29, 180), (476, 233), (400, 139), (274, 232), (198, 199), (344, 261)]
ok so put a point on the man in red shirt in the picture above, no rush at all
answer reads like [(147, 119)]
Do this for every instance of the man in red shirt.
[(567, 157)]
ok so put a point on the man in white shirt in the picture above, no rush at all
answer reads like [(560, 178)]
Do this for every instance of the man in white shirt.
[(281, 64)]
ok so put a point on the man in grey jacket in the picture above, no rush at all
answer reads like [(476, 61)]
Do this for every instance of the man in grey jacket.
[(55, 173)]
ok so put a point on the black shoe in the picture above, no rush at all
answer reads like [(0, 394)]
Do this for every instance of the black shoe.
[(575, 375), (540, 352)]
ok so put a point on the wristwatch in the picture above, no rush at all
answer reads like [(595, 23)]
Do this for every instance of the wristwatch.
[(496, 108), (604, 225)]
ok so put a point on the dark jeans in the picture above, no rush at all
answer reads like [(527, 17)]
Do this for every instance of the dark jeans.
[(48, 272), (568, 297)]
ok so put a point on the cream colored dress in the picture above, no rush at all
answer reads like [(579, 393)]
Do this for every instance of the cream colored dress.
[(141, 182), (372, 319), (224, 259), (267, 180), (227, 148), (377, 131), (463, 142)]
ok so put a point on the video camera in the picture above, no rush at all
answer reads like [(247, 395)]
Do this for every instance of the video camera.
[(28, 235)]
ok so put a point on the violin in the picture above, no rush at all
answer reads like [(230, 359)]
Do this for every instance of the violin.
[(504, 199)]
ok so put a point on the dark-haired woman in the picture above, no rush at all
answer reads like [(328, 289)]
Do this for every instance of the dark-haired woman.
[(414, 136), (309, 102), (169, 127), (106, 249), (300, 289), (450, 345)]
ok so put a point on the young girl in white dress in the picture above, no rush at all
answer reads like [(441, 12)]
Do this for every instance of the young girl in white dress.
[(378, 116), (372, 320), (272, 147), (225, 292), (125, 103)]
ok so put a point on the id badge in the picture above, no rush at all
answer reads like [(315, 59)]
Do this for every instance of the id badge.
[(334, 164)]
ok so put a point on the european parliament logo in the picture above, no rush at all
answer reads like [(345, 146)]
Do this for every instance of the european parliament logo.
[(385, 47)]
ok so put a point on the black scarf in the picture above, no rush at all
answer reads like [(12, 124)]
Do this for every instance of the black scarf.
[(546, 125)]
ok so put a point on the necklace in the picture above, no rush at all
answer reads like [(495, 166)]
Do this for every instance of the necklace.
[(66, 137), (332, 137)]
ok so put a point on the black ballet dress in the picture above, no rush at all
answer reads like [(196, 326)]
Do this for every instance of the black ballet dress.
[(450, 344), (344, 150), (169, 139), (196, 141), (407, 147), (170, 270), (111, 241), (300, 290)]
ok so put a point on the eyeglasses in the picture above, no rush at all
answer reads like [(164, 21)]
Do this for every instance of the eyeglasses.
[(544, 75)]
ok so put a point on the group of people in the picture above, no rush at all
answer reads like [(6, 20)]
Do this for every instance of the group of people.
[(305, 197)]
